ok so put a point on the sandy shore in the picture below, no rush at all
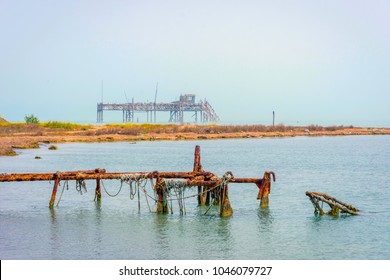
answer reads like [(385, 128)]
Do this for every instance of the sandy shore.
[(25, 138)]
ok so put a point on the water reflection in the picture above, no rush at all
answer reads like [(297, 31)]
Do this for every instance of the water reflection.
[(52, 215), (225, 241), (265, 219), (161, 224), (98, 230)]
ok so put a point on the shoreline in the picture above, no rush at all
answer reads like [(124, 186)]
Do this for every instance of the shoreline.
[(30, 136)]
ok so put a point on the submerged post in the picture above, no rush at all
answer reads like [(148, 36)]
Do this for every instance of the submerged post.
[(225, 209), (57, 177), (162, 203), (98, 191), (265, 189)]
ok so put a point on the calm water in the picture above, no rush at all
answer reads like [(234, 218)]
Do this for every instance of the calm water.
[(354, 169)]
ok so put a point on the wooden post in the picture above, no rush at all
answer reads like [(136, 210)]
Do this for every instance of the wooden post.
[(98, 191), (225, 209), (55, 187)]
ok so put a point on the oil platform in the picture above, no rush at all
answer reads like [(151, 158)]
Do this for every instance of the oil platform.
[(202, 110)]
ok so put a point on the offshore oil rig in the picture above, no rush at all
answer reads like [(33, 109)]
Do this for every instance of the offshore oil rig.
[(202, 110)]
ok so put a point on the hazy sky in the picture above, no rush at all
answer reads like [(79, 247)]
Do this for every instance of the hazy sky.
[(312, 62)]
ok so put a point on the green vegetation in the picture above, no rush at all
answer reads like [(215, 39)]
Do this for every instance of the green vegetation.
[(31, 119), (64, 125)]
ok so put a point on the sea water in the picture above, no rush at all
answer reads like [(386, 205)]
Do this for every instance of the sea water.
[(354, 169)]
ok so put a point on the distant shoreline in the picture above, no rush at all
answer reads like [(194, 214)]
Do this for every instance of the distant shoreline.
[(27, 136)]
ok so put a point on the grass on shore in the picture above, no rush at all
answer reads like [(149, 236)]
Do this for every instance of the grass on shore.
[(64, 125), (39, 128), (7, 128), (138, 129)]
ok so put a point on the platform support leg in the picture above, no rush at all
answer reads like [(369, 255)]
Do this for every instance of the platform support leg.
[(226, 209), (98, 191), (54, 192), (265, 189), (162, 202), (203, 195)]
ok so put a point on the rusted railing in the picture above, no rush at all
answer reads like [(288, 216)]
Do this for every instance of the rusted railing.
[(209, 185)]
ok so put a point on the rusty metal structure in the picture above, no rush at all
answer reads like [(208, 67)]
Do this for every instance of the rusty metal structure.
[(202, 110), (211, 189), (335, 205)]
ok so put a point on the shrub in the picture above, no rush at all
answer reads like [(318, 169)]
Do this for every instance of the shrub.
[(31, 119)]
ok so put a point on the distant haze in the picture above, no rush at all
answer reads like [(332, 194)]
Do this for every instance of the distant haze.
[(312, 62)]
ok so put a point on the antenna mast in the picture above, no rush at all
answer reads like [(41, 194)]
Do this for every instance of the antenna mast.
[(155, 105)]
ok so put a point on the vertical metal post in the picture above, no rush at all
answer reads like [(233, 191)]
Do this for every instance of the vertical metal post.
[(98, 191), (265, 189), (162, 203), (54, 192), (273, 118), (197, 164), (225, 209), (203, 194)]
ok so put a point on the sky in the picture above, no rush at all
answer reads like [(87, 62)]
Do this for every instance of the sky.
[(312, 62)]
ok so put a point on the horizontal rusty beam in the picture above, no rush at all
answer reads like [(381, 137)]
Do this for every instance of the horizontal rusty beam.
[(210, 183), (82, 175), (193, 178), (246, 180)]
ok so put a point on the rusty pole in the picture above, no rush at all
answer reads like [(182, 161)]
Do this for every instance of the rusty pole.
[(265, 189), (19, 177), (98, 191), (197, 164), (54, 192), (226, 209), (162, 203), (203, 193)]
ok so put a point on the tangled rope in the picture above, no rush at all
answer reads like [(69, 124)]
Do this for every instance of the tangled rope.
[(81, 186), (173, 189), (220, 189), (66, 184), (224, 180), (138, 181), (178, 186)]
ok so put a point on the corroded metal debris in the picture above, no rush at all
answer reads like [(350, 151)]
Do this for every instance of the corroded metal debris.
[(211, 188), (335, 205)]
